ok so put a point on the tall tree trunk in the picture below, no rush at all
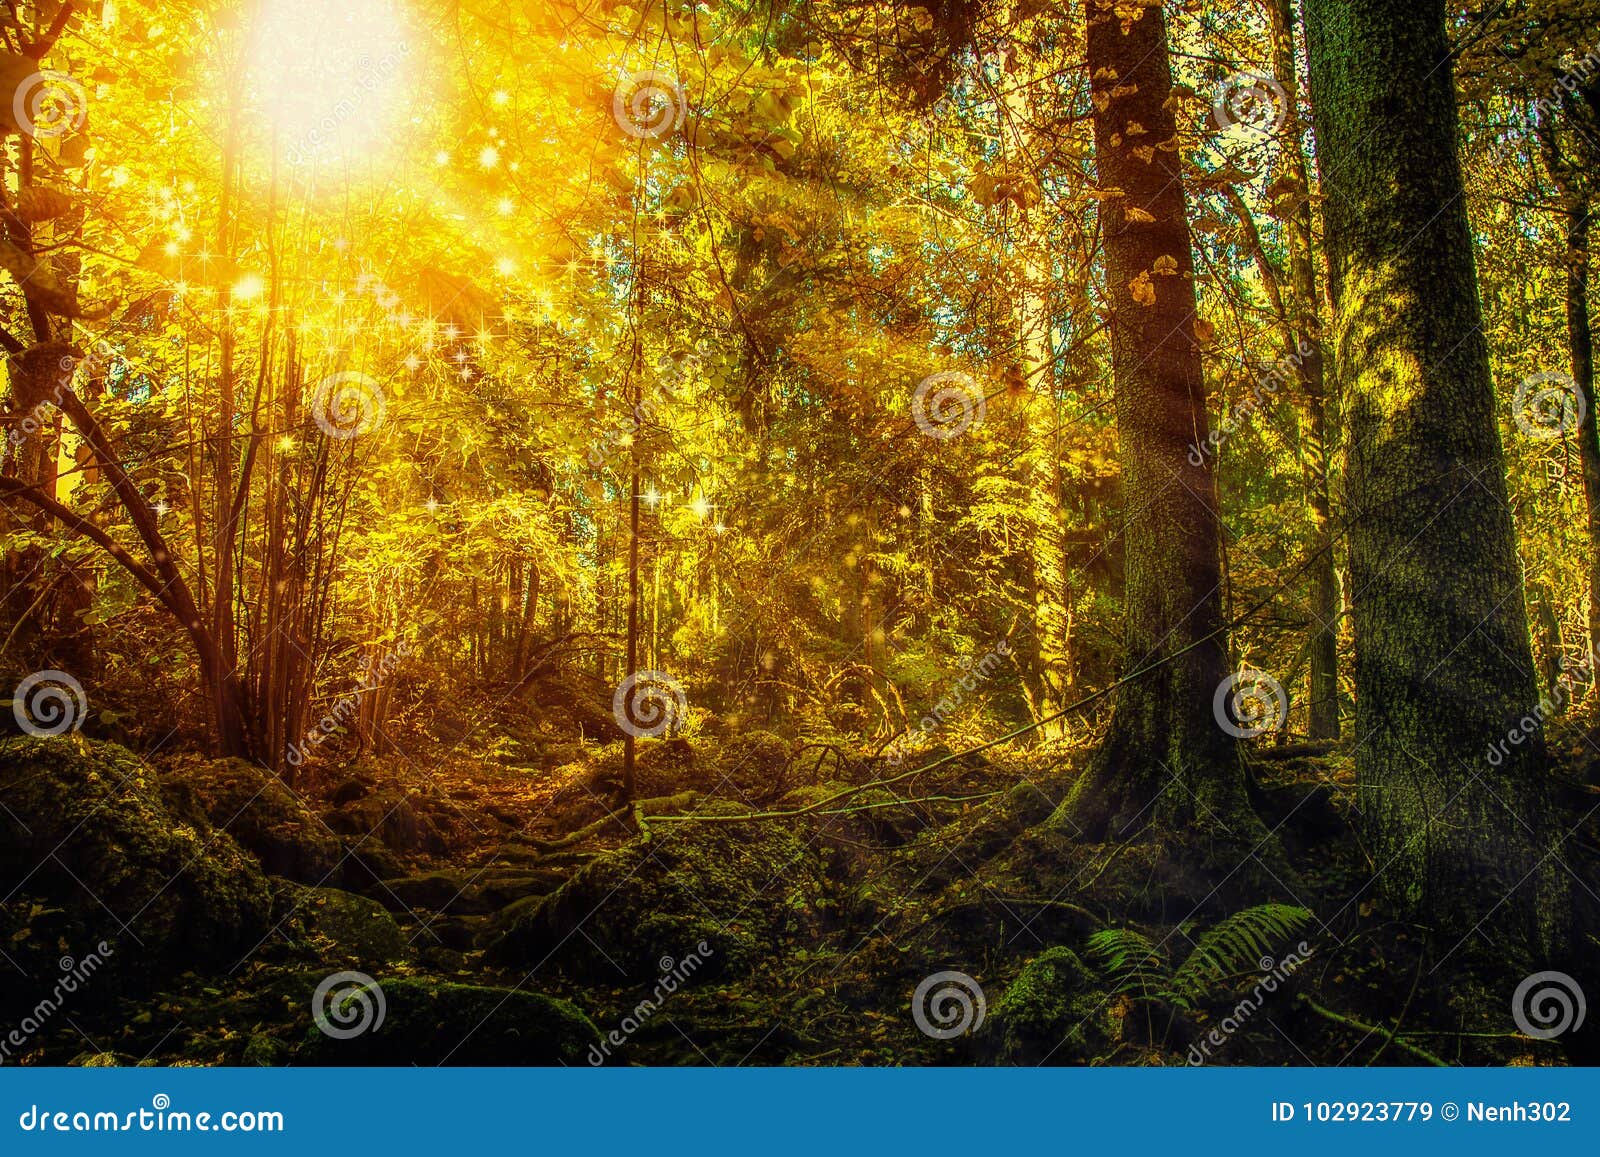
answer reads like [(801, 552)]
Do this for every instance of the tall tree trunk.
[(1580, 341), (1166, 760), (1580, 348), (1305, 333), (1460, 819), (1041, 465)]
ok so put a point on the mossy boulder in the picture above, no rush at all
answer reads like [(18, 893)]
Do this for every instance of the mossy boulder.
[(401, 821), (1052, 1013), (750, 890), (428, 1022), (84, 828), (337, 927), (752, 766), (466, 893), (257, 809)]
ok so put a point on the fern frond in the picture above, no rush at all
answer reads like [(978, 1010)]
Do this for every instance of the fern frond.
[(1131, 961), (1237, 944)]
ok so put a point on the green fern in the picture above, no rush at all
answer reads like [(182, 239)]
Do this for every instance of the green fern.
[(1131, 961), (1236, 945), (1135, 964)]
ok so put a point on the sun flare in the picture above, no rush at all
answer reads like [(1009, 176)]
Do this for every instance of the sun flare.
[(329, 77)]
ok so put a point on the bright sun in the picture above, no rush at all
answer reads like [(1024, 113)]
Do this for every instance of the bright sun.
[(329, 76)]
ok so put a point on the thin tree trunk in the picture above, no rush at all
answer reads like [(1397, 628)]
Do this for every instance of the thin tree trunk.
[(1305, 333), (1580, 347), (1459, 816), (629, 741)]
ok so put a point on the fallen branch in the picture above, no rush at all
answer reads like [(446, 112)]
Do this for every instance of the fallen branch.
[(1390, 1036)]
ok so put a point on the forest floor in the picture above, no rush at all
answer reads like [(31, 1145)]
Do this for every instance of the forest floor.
[(778, 908)]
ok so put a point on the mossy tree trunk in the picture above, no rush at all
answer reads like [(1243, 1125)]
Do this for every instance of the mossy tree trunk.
[(1571, 177), (1444, 671), (1305, 333), (1166, 761)]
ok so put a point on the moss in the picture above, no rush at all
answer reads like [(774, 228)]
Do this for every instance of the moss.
[(470, 892), (752, 766), (1050, 1014), (749, 890), (259, 811), (432, 1023), (83, 827), (398, 819), (337, 927)]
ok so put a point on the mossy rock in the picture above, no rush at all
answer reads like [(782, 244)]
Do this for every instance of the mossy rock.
[(84, 828), (337, 927), (477, 892), (1050, 1014), (751, 891), (427, 1022), (751, 766), (399, 820), (257, 809)]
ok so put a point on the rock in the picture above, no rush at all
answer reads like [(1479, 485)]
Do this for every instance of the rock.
[(393, 817), (428, 1022), (750, 891), (751, 767), (337, 927), (502, 921), (470, 893), (258, 810), (349, 791), (433, 891), (1050, 1014), (84, 827), (457, 933)]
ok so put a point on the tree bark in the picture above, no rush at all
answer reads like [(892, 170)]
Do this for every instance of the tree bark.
[(1580, 348), (1166, 760), (1459, 815), (1305, 333)]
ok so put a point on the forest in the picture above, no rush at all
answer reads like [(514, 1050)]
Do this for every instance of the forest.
[(799, 533)]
